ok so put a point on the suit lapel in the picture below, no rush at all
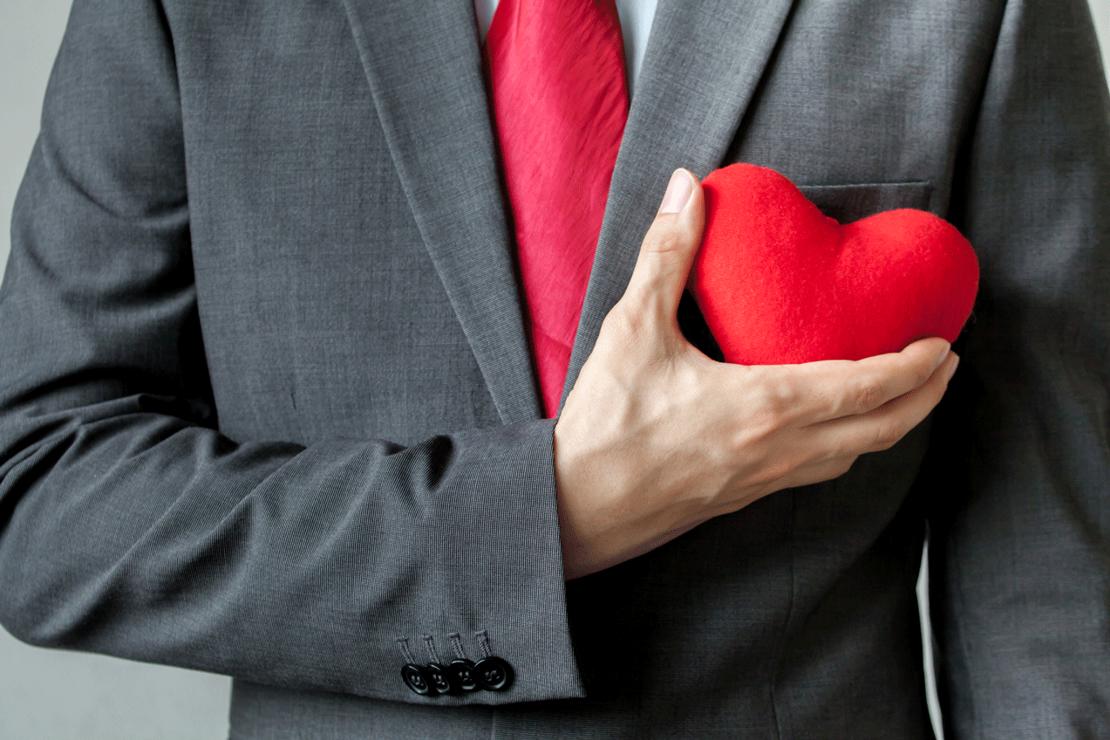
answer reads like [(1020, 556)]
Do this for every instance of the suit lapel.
[(703, 63), (424, 66)]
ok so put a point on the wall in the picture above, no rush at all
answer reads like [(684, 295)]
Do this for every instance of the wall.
[(60, 695)]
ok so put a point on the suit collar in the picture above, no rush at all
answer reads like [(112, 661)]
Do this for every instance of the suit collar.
[(424, 66), (423, 61), (701, 69)]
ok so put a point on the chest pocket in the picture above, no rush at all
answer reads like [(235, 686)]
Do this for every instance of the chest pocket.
[(851, 202)]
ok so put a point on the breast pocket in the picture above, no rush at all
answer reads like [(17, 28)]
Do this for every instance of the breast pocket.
[(855, 508), (853, 201)]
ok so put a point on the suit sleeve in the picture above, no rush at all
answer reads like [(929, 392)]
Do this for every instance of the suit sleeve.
[(129, 525), (1019, 532)]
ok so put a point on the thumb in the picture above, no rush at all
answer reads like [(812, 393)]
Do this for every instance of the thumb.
[(668, 249)]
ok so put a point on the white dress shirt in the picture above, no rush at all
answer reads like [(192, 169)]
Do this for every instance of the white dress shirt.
[(636, 17)]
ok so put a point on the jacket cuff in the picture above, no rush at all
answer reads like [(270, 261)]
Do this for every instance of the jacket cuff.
[(501, 635)]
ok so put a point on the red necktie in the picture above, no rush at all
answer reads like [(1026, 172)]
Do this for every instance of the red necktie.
[(560, 102)]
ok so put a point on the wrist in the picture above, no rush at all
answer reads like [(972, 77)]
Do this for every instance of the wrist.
[(613, 506)]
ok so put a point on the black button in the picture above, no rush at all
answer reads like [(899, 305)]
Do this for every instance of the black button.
[(462, 674), (494, 674), (416, 679), (439, 678)]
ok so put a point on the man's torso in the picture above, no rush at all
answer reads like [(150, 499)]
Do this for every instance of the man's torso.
[(324, 313)]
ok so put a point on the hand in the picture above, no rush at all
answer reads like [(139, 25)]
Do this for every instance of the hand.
[(656, 438)]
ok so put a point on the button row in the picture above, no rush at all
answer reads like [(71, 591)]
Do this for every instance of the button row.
[(458, 676)]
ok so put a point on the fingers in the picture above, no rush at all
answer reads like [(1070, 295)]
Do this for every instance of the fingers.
[(668, 250), (835, 389), (884, 426), (818, 472)]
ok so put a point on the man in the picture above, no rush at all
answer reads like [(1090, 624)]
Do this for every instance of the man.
[(268, 404)]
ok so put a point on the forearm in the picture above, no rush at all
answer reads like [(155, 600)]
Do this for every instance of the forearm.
[(133, 523), (134, 532)]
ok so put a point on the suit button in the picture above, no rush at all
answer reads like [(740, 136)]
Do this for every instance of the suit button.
[(494, 674), (462, 674), (439, 678), (416, 679)]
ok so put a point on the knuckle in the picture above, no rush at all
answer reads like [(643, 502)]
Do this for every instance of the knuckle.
[(885, 435), (770, 474), (838, 449), (740, 442), (761, 423), (746, 448), (868, 394), (664, 240), (921, 375), (774, 400), (833, 469), (623, 323), (784, 395), (844, 465)]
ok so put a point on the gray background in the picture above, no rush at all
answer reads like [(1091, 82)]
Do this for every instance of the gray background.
[(103, 697)]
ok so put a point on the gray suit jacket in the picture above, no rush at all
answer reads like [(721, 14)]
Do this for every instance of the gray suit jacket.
[(266, 405)]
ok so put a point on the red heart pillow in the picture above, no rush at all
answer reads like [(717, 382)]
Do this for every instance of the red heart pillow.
[(779, 282)]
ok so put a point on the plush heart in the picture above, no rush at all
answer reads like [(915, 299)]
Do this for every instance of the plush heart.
[(780, 282)]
